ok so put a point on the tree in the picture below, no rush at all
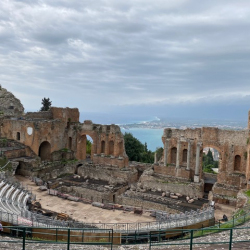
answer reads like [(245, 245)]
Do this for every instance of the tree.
[(46, 104), (88, 147), (159, 153), (136, 151), (134, 148), (208, 162)]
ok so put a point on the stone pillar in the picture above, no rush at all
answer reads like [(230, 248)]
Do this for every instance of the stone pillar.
[(155, 161), (166, 152), (197, 165), (189, 154), (178, 154)]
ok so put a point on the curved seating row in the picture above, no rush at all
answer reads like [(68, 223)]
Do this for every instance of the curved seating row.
[(13, 200)]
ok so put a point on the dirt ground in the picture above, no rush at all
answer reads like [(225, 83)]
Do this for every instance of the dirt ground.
[(83, 212), (89, 214), (221, 209)]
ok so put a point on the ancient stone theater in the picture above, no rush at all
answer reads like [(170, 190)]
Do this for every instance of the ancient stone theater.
[(52, 147)]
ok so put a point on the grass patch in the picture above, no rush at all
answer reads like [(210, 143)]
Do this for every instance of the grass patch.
[(248, 193)]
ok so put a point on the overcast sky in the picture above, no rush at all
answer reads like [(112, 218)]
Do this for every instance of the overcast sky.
[(134, 55)]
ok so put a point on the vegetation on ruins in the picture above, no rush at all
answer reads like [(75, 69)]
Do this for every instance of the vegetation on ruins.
[(248, 193), (46, 104), (137, 151), (159, 153), (88, 146), (208, 162)]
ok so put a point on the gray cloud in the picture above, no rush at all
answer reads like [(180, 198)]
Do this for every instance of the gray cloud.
[(100, 54)]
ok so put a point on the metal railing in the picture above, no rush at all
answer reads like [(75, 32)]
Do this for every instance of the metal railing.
[(189, 236), (151, 237), (191, 241), (24, 236), (178, 220)]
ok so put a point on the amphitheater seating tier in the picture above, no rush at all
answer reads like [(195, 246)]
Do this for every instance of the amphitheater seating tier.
[(13, 200)]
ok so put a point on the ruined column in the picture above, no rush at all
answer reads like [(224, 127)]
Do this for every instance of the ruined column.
[(155, 161), (197, 166), (189, 154), (178, 154), (166, 144)]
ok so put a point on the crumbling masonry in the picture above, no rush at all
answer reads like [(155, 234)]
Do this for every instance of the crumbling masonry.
[(52, 140)]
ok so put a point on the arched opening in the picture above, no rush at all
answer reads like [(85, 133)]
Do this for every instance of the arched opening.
[(76, 170), (102, 147), (84, 147), (111, 147), (18, 136), (237, 163), (18, 169), (184, 156), (173, 155), (70, 143), (210, 167), (89, 143), (22, 169), (45, 151)]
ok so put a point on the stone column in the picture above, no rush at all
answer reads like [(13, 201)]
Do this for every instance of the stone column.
[(166, 152), (197, 166), (155, 161), (189, 154), (178, 154)]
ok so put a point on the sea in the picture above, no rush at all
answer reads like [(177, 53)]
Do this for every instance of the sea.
[(148, 129), (147, 135)]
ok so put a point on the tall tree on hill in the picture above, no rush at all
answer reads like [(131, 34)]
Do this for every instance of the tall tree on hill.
[(46, 104)]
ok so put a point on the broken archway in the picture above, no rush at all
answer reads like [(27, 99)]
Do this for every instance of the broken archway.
[(210, 167), (85, 147)]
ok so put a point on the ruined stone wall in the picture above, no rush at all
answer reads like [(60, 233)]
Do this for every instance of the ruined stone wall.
[(62, 155), (46, 115), (65, 114), (119, 162), (15, 153), (143, 204), (50, 131), (183, 150), (169, 170), (33, 134), (53, 171), (89, 194), (107, 173), (60, 134), (168, 184), (107, 146), (229, 144)]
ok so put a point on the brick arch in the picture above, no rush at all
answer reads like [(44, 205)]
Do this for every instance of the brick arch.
[(205, 145), (81, 145), (45, 151), (221, 166)]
